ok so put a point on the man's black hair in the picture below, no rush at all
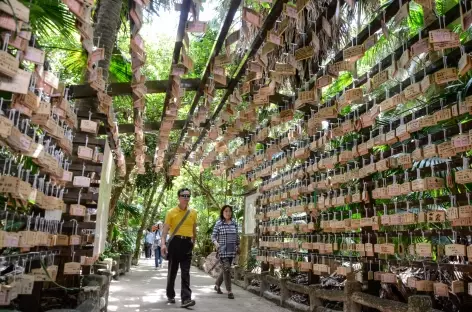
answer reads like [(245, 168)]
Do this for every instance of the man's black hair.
[(183, 190)]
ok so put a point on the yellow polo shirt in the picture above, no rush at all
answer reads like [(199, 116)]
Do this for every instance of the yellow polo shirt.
[(173, 218)]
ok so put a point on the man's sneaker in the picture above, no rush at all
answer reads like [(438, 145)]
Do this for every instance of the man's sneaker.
[(188, 303), (170, 300)]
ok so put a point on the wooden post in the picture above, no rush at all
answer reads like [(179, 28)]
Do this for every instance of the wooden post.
[(284, 292), (247, 282), (264, 283), (350, 287), (419, 304), (237, 273), (314, 301)]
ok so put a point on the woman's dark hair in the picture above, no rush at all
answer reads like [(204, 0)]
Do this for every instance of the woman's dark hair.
[(222, 217), (183, 190)]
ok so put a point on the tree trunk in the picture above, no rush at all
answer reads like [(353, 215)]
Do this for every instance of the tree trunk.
[(129, 201), (116, 192), (154, 209), (107, 26), (115, 196), (144, 221)]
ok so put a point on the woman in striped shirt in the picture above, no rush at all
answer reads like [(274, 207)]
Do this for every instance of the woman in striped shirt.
[(226, 240)]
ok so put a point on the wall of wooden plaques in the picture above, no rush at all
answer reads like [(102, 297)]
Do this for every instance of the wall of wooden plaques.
[(378, 175), (51, 162)]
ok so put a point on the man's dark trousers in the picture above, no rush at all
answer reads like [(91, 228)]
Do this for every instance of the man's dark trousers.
[(180, 253), (147, 250)]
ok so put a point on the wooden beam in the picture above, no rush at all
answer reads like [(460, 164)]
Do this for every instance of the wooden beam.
[(184, 10), (220, 40), (132, 161), (148, 127), (269, 23), (124, 88)]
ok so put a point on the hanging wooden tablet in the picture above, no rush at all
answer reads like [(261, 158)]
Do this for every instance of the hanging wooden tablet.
[(252, 17), (304, 53), (222, 60), (81, 181), (456, 250), (275, 38), (441, 290), (285, 69), (402, 13), (353, 53), (380, 78), (233, 37), (457, 287), (370, 42), (419, 47), (412, 91), (187, 62), (445, 75), (89, 125), (252, 76), (71, 268), (221, 79), (326, 26), (196, 27), (465, 64), (424, 249), (34, 55), (9, 23), (290, 10), (466, 18), (9, 64), (17, 84), (17, 9), (323, 81)]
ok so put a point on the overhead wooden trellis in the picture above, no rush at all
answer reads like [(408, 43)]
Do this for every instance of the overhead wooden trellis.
[(174, 90), (138, 59), (124, 88), (241, 69), (208, 80)]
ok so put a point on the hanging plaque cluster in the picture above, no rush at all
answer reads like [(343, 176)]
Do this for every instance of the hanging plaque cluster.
[(138, 58)]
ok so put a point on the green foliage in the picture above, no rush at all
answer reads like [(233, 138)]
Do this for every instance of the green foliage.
[(338, 85), (51, 18), (200, 49), (123, 236)]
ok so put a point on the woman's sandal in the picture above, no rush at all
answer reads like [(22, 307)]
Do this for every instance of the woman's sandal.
[(218, 289), (230, 296)]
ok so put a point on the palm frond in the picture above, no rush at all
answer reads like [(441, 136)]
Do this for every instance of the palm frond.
[(49, 18), (120, 69)]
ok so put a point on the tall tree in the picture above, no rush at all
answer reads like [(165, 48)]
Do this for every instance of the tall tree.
[(107, 25), (118, 189), (144, 221)]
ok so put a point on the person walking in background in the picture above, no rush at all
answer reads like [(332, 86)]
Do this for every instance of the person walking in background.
[(181, 221), (156, 246), (226, 240), (148, 240)]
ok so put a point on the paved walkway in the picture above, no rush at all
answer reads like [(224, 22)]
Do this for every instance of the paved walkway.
[(143, 290)]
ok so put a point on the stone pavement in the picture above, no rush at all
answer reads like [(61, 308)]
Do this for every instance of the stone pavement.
[(143, 290)]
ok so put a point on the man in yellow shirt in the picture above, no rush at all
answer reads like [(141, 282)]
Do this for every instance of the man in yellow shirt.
[(180, 247)]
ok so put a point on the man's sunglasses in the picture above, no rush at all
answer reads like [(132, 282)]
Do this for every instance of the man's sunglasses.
[(185, 195)]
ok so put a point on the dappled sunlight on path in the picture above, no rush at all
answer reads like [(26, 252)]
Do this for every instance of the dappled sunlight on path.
[(143, 290)]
